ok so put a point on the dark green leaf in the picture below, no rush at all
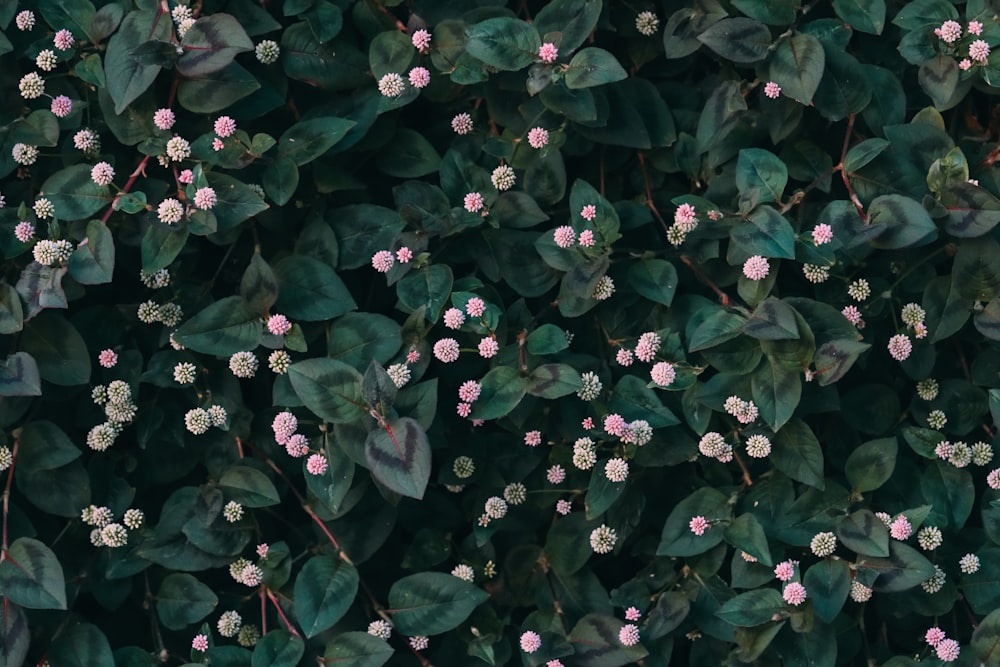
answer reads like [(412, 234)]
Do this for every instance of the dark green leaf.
[(161, 245), (431, 603), (864, 533), (223, 328), (573, 19), (31, 575), (546, 339), (278, 648), (738, 39), (553, 381), (871, 465), (214, 91), (330, 388), (58, 348), (324, 591), (502, 390), (759, 169), (745, 533), (752, 608), (505, 43), (655, 279), (903, 569), (357, 649), (15, 637), (210, 44), (593, 67), (19, 376), (128, 79), (183, 600), (798, 454), (74, 194), (864, 15), (310, 290), (93, 261), (80, 645), (972, 211), (249, 487), (399, 456), (307, 140), (828, 583), (677, 538), (797, 64), (595, 643), (258, 286), (906, 222), (427, 288)]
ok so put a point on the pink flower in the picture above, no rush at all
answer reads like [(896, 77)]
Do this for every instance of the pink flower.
[(554, 663), (538, 137), (822, 234), (663, 373), (949, 31), (473, 202), (900, 347), (24, 231), (965, 64), (421, 40), (784, 570), (316, 464), (446, 350), (533, 438), (475, 307), (420, 77), (564, 507), (632, 614), (555, 475), (469, 391), (794, 594), (853, 316), (548, 52), (629, 635), (698, 525), (934, 636), (488, 347), (412, 357), (382, 261), (404, 255), (947, 650), (218, 144), (462, 123), (586, 238), (588, 425), (615, 424), (200, 643), (588, 212), (645, 349), (756, 268), (715, 215), (186, 176), (278, 325), (624, 357), (225, 126), (686, 217), (64, 38), (530, 642), (478, 422), (564, 236), (205, 198), (772, 90), (463, 409), (900, 529), (975, 28), (62, 106), (107, 358), (284, 426), (102, 173), (297, 446), (164, 119), (979, 50), (262, 550), (454, 318)]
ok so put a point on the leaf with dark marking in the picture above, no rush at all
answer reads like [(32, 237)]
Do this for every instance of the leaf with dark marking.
[(399, 456)]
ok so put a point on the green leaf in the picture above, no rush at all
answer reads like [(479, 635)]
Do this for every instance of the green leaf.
[(906, 222), (357, 649), (864, 15), (716, 329), (602, 493), (307, 140), (986, 639), (759, 169), (871, 465), (567, 547), (982, 588), (399, 456), (777, 393), (330, 388), (864, 533), (828, 583), (41, 287), (632, 399), (44, 446), (738, 39), (358, 338), (377, 388), (835, 358), (15, 637), (546, 339), (324, 591), (80, 645), (843, 90), (798, 454), (93, 261), (797, 65), (161, 245), (430, 603), (31, 575), (214, 91), (249, 487), (127, 78), (428, 288), (505, 43), (278, 648), (553, 381), (574, 20), (745, 533), (210, 44), (677, 538), (771, 12), (258, 286), (773, 319), (19, 376), (183, 600), (752, 608), (76, 17), (74, 194), (864, 152), (903, 569), (972, 211), (223, 328), (502, 390), (938, 77), (310, 290), (595, 643), (237, 201), (408, 155), (655, 279), (766, 232), (363, 230), (593, 67), (58, 348)]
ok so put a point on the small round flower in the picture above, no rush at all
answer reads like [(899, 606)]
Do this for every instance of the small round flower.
[(936, 581), (64, 40), (900, 528), (46, 60), (488, 347), (197, 421), (446, 350), (148, 312), (391, 85), (297, 446), (178, 149), (243, 364), (96, 516), (183, 26), (185, 373), (587, 238), (24, 154), (474, 202), (205, 198), (947, 650), (102, 436), (31, 86), (399, 374), (629, 635), (218, 144), (420, 77), (530, 641), (278, 325), (632, 614), (155, 279), (979, 51), (25, 20), (758, 446), (949, 31), (794, 594), (382, 261), (785, 570), (584, 454), (590, 386), (604, 289), (937, 419), (969, 564), (515, 493), (663, 373), (421, 40), (961, 455), (133, 518), (603, 539), (900, 347), (975, 28), (823, 544), (45, 252), (927, 389), (538, 137), (229, 623), (647, 23), (564, 507), (503, 178), (404, 255), (860, 592), (463, 467), (698, 525), (982, 453), (107, 358), (615, 424), (712, 444), (965, 64), (772, 90), (24, 231), (756, 268), (853, 316), (555, 475), (588, 212), (61, 106), (170, 211), (454, 319), (248, 636), (859, 290), (616, 470), (564, 236), (747, 557), (469, 391), (462, 123), (495, 507), (380, 629), (267, 52), (419, 643), (624, 357), (316, 464), (224, 126), (279, 361), (114, 535), (164, 119), (815, 273), (102, 173), (912, 314), (934, 636), (218, 415), (233, 511), (475, 307), (548, 52)]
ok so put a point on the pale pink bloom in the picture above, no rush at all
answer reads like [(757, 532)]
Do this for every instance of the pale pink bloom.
[(474, 202), (107, 358), (756, 268), (284, 426), (420, 77), (979, 50), (446, 350), (949, 31), (632, 614), (186, 176), (454, 318), (586, 238), (564, 507), (853, 315), (900, 347), (663, 373), (794, 594), (555, 475), (554, 663), (784, 570), (102, 173), (488, 347), (205, 198), (225, 126), (698, 525), (421, 40), (478, 422), (412, 357), (533, 438), (993, 479), (316, 464), (947, 650), (645, 349), (404, 255), (615, 424), (624, 357), (218, 144), (548, 52), (965, 64), (164, 119), (463, 409), (564, 236), (462, 123), (382, 261), (616, 470), (588, 212), (588, 425), (262, 550), (943, 450), (975, 28), (822, 234), (469, 391), (278, 325), (297, 446), (475, 307), (900, 529), (772, 90), (64, 38), (715, 215), (61, 106), (200, 643), (24, 231), (530, 642), (538, 137), (685, 216), (629, 635), (934, 636)]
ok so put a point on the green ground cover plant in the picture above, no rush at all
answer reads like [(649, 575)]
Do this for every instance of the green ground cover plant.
[(452, 332)]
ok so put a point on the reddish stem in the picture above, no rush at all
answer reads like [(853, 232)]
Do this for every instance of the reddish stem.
[(281, 613), (6, 496)]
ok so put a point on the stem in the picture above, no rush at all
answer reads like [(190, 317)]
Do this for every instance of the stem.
[(746, 473), (649, 193), (6, 495), (723, 297), (281, 613), (128, 186)]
